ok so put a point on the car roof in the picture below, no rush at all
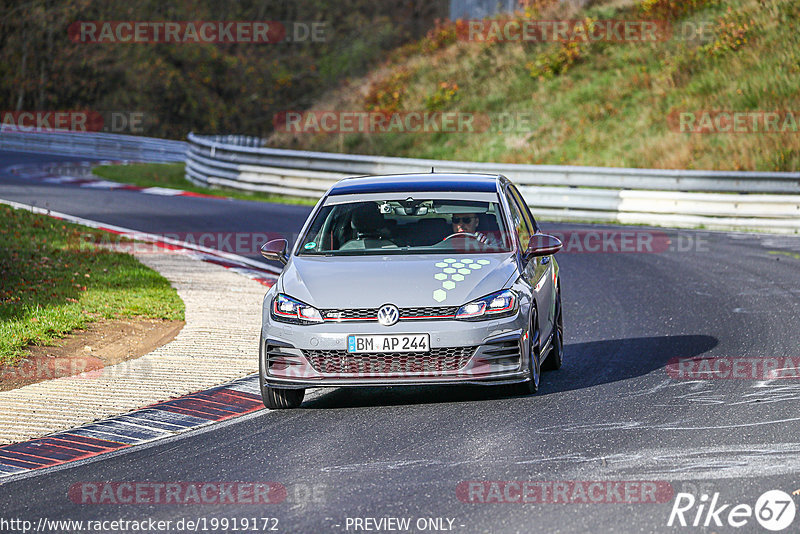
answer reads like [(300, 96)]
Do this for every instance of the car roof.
[(397, 183)]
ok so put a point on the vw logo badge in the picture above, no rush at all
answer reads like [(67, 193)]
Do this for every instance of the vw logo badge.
[(388, 315)]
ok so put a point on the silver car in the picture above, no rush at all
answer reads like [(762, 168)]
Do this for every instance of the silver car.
[(408, 280)]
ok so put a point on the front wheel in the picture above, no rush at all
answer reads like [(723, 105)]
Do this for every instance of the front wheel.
[(279, 399), (532, 386), (276, 398), (556, 356)]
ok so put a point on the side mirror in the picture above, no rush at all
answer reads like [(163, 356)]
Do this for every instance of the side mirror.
[(275, 250), (542, 245)]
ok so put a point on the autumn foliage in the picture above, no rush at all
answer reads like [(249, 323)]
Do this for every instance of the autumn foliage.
[(219, 88)]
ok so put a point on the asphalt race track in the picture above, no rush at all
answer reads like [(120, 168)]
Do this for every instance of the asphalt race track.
[(612, 413)]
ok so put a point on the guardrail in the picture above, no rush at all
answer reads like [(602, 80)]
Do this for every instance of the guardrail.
[(98, 145), (766, 201)]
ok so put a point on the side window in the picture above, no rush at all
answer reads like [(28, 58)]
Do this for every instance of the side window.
[(526, 214), (519, 220)]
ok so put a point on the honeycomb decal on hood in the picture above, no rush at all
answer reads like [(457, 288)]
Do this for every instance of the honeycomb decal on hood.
[(452, 271)]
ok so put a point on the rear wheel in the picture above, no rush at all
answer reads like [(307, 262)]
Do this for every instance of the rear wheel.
[(556, 355), (532, 386), (276, 398)]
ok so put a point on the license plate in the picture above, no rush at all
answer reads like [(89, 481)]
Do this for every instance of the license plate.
[(381, 343)]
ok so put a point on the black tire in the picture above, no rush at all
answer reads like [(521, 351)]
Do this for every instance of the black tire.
[(280, 399), (276, 398), (555, 358), (529, 387)]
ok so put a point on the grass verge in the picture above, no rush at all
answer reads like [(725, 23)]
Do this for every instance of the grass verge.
[(54, 279), (172, 175)]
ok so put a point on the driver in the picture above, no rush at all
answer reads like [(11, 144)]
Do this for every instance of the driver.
[(467, 223)]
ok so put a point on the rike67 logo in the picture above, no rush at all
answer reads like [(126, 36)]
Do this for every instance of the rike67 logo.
[(774, 510)]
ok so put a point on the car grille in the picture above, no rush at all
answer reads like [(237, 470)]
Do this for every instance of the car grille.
[(414, 313), (366, 314), (432, 361), (406, 314)]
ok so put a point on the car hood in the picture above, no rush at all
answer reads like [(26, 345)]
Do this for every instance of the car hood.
[(405, 281)]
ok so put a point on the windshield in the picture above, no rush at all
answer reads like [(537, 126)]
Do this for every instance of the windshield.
[(411, 226)]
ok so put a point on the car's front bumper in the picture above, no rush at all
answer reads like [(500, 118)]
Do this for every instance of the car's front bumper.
[(486, 353)]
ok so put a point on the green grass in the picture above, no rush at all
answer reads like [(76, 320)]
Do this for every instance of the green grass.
[(172, 175), (794, 255), (54, 279), (611, 106)]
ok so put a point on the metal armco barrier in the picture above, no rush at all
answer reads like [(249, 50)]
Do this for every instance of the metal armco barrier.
[(765, 201), (97, 145)]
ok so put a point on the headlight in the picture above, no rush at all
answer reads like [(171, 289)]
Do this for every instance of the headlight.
[(500, 304), (288, 310)]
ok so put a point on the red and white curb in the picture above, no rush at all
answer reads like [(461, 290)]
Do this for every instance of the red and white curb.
[(161, 420), (43, 173), (152, 423)]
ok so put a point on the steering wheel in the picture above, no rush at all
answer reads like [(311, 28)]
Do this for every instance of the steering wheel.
[(461, 234)]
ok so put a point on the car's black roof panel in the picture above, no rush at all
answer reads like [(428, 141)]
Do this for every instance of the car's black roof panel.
[(468, 183)]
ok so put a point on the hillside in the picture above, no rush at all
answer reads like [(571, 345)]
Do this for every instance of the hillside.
[(228, 85), (585, 102)]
